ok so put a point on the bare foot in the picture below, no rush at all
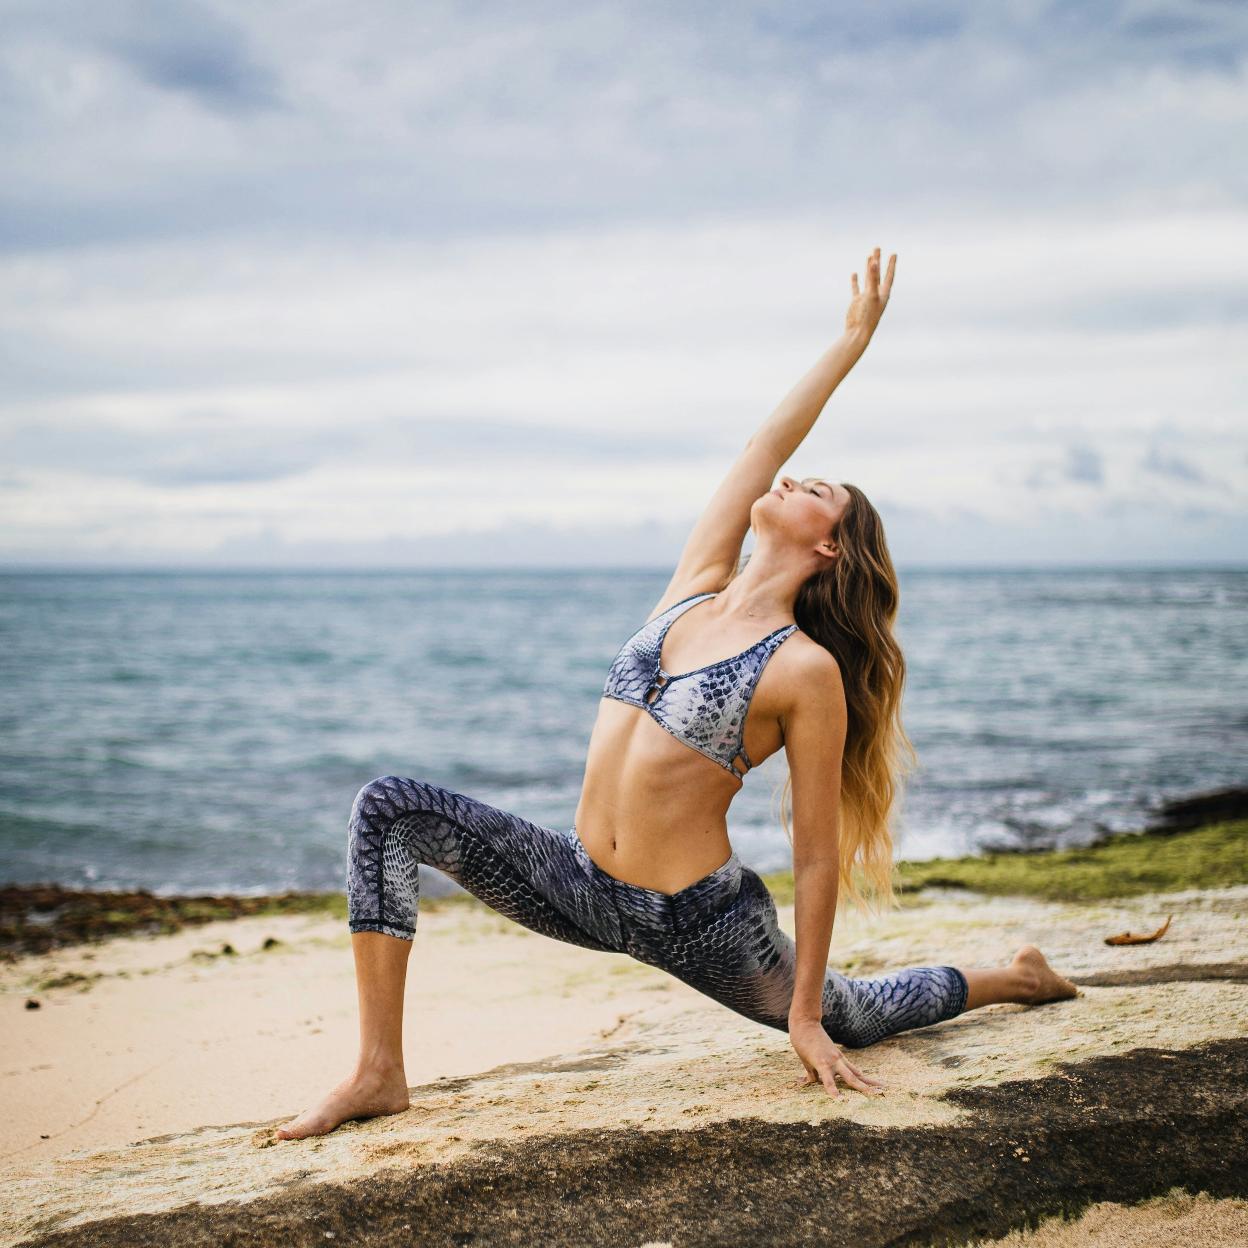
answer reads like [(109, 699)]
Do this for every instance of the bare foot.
[(365, 1094), (1042, 982)]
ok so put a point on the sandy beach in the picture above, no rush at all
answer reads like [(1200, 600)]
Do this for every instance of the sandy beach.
[(142, 1092)]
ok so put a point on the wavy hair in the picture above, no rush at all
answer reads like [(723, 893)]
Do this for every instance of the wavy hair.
[(849, 607)]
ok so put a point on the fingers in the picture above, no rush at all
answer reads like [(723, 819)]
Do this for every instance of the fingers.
[(827, 1066), (854, 1080), (874, 285), (827, 1076), (824, 1074), (878, 1083), (854, 285), (888, 277), (850, 1076)]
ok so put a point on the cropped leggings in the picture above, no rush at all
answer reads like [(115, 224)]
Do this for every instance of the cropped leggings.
[(719, 935)]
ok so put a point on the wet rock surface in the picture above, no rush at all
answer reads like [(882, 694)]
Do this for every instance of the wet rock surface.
[(1119, 1128), (1178, 973), (35, 918), (1184, 813), (677, 1123)]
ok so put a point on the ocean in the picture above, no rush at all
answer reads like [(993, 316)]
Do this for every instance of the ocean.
[(208, 731)]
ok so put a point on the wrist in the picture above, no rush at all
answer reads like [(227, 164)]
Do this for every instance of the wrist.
[(856, 339), (801, 1017)]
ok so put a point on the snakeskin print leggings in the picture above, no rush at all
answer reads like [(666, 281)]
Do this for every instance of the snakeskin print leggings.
[(719, 935)]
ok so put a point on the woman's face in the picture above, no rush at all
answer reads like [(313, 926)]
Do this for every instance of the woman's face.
[(807, 510)]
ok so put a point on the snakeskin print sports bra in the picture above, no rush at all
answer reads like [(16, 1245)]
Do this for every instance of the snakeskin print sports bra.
[(705, 708)]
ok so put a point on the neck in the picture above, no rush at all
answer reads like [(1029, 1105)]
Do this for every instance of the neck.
[(767, 588)]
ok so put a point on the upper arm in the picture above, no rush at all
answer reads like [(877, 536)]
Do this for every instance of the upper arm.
[(814, 741), (713, 548)]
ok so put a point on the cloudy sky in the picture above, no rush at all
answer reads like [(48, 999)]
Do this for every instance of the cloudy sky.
[(398, 283)]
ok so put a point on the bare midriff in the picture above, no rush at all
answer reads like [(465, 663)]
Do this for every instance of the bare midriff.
[(654, 811)]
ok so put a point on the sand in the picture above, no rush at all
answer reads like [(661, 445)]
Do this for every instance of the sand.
[(152, 1085), (166, 1034), (1176, 1218)]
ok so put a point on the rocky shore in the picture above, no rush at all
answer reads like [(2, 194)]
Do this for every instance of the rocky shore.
[(562, 1096)]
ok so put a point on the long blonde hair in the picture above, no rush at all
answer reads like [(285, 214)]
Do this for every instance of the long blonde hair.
[(849, 608)]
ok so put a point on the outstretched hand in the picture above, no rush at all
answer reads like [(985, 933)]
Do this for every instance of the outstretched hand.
[(825, 1063), (867, 306)]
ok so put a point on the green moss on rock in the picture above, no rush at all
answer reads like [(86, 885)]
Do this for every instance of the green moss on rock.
[(35, 918), (1123, 866)]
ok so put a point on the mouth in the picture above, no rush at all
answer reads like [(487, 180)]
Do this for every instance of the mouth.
[(778, 492)]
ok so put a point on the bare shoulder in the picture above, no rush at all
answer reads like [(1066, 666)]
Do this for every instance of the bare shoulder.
[(809, 676), (814, 722)]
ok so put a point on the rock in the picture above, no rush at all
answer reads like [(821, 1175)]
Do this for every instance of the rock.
[(1219, 806)]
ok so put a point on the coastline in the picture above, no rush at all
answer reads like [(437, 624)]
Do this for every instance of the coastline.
[(140, 1040), (1192, 842)]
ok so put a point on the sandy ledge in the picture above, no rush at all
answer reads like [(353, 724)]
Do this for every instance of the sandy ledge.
[(563, 1095), (1177, 1217)]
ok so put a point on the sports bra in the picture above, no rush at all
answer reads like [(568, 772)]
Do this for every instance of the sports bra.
[(705, 708)]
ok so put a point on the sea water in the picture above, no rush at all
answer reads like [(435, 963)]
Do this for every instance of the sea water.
[(208, 731)]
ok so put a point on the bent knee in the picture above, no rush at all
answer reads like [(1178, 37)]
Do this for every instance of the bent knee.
[(381, 788), (388, 796), (401, 791)]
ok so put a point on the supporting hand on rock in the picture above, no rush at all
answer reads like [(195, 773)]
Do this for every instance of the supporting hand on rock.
[(825, 1063)]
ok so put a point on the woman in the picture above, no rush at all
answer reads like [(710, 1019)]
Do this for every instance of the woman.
[(795, 650)]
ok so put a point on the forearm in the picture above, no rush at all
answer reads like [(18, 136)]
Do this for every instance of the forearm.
[(815, 890), (797, 412)]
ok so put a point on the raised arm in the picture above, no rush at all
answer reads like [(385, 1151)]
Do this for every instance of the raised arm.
[(713, 547)]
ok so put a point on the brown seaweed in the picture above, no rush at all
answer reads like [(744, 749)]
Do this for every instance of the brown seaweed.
[(1134, 938)]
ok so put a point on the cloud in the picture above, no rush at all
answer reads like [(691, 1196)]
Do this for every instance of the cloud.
[(217, 72), (206, 447), (185, 455), (171, 120), (401, 274), (1168, 464), (917, 538), (1083, 463), (593, 377), (171, 45)]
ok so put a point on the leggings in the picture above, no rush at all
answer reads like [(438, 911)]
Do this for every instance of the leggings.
[(719, 935)]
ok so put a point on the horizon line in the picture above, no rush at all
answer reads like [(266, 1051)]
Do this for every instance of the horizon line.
[(549, 569)]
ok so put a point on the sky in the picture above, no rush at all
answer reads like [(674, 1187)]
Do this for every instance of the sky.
[(396, 283)]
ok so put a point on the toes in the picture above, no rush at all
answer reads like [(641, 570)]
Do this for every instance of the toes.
[(303, 1135), (296, 1130)]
